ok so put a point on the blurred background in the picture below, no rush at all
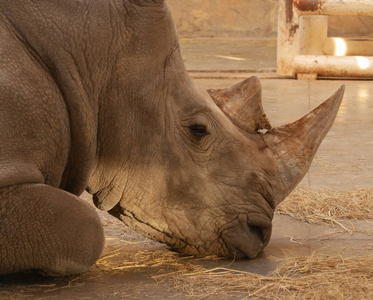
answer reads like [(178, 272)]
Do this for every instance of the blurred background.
[(248, 18)]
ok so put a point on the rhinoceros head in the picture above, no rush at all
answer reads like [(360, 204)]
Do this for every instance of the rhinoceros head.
[(200, 171), (209, 184)]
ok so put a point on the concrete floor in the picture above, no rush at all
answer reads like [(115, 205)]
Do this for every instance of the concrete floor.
[(344, 162)]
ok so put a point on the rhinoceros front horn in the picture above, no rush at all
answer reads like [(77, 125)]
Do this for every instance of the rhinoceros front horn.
[(295, 144), (242, 103)]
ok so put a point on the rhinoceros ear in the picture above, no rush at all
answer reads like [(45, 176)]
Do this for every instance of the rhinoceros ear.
[(242, 103), (295, 144)]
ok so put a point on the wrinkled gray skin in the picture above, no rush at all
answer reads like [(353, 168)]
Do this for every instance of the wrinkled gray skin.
[(94, 95)]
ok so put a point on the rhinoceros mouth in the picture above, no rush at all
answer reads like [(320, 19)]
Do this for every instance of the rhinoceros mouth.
[(240, 238), (243, 237)]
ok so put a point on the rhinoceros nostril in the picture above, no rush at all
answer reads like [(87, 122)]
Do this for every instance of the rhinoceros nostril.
[(259, 233)]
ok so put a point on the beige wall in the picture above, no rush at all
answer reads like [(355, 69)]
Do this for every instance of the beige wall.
[(247, 18), (225, 17)]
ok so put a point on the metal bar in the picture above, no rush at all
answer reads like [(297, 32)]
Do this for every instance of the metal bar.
[(291, 31), (288, 38), (334, 65), (334, 7)]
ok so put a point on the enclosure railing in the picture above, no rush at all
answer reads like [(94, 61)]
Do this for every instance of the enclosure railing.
[(304, 48)]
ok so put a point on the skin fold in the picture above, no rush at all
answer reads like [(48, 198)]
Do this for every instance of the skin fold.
[(95, 96)]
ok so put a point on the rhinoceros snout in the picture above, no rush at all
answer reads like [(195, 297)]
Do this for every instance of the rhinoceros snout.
[(247, 241)]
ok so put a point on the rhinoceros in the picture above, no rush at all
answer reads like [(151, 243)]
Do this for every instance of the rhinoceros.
[(95, 96)]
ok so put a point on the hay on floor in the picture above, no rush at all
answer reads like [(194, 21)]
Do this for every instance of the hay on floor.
[(327, 206), (313, 277), (304, 277)]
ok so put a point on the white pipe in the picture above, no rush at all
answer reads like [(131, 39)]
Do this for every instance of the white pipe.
[(334, 65), (334, 7)]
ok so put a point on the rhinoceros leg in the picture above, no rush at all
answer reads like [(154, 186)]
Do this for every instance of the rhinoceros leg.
[(48, 230)]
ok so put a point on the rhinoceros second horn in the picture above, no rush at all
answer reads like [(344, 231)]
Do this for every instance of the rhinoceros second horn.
[(242, 103)]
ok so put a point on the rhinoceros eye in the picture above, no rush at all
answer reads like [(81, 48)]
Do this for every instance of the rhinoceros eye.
[(198, 131)]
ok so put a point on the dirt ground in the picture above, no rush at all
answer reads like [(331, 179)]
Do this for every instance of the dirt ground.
[(132, 266)]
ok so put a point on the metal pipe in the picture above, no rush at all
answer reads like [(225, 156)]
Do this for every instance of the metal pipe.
[(295, 40), (334, 65), (334, 7)]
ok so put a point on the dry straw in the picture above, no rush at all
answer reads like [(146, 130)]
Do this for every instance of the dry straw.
[(327, 206), (313, 277), (304, 277)]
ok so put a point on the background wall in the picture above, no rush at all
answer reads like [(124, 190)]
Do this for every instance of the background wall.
[(227, 18), (248, 18)]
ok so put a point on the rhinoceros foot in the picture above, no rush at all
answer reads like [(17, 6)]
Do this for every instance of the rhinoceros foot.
[(47, 230)]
